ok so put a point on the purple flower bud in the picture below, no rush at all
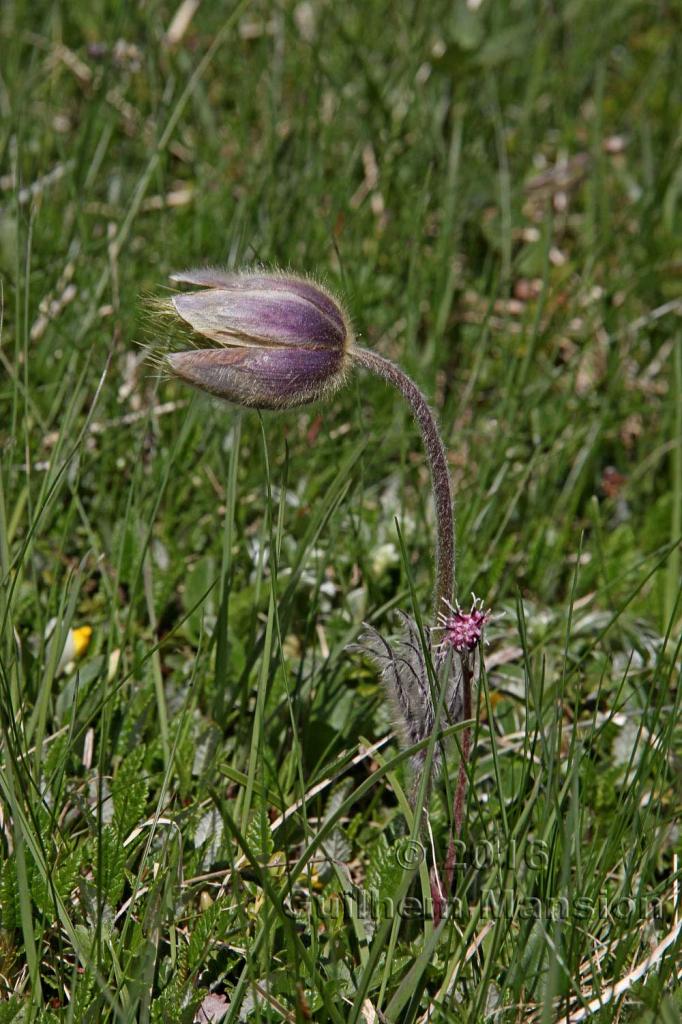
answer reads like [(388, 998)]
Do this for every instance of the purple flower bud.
[(463, 631), (259, 378), (286, 341)]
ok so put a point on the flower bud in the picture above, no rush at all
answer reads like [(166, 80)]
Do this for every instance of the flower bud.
[(462, 631), (285, 341)]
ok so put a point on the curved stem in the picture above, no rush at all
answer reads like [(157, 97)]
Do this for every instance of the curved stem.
[(440, 474)]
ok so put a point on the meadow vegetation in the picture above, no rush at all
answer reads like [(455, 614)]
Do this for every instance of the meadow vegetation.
[(202, 798)]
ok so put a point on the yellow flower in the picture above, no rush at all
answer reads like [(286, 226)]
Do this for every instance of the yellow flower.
[(76, 644)]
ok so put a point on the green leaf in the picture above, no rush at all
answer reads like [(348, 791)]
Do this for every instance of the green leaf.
[(129, 790)]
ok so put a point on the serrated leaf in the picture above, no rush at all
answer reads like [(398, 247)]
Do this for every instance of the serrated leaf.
[(108, 863), (10, 1010), (9, 896), (208, 928), (129, 790), (175, 1005), (384, 872), (259, 836)]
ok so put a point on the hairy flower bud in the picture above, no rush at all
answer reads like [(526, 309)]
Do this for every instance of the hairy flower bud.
[(285, 341)]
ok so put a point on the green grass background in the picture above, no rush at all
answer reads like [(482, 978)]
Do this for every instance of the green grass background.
[(495, 190)]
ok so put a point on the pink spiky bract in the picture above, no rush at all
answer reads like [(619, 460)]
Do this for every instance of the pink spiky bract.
[(462, 631)]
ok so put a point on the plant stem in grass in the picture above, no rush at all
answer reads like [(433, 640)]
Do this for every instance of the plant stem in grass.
[(460, 792), (440, 475), (445, 562)]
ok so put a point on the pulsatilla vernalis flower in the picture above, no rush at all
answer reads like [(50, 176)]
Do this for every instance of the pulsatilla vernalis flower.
[(284, 341), (281, 341)]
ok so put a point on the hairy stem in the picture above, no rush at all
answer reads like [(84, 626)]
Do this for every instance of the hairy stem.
[(440, 474), (445, 574), (460, 792)]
